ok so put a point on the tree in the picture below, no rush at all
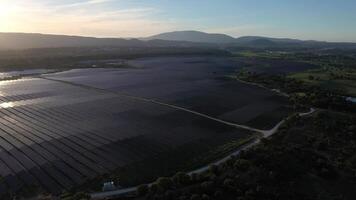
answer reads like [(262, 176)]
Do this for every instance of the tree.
[(195, 197), (181, 179), (142, 190), (165, 183), (242, 164)]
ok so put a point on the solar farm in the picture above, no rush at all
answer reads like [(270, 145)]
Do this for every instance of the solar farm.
[(59, 130)]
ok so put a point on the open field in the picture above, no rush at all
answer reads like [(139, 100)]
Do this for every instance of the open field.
[(342, 81)]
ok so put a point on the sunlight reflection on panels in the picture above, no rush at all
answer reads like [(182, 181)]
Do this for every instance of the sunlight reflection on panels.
[(7, 105)]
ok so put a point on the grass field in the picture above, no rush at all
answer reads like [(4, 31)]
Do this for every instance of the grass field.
[(340, 80), (263, 54)]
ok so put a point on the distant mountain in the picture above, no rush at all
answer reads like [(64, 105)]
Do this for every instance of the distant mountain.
[(170, 39), (194, 36), (246, 41), (34, 40)]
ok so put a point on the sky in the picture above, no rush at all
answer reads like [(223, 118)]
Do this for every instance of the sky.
[(328, 20)]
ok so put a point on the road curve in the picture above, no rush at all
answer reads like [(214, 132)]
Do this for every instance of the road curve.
[(253, 142)]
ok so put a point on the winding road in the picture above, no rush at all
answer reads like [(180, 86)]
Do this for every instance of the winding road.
[(253, 142)]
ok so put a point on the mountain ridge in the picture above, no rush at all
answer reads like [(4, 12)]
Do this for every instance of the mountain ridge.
[(14, 41), (194, 36)]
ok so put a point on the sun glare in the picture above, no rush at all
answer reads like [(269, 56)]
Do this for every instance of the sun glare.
[(6, 10), (7, 105)]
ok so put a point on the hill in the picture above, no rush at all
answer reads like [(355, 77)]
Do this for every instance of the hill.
[(246, 41), (35, 40), (194, 36), (16, 41)]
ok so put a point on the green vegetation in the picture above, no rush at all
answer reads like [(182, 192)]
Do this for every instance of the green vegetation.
[(301, 94), (339, 80), (263, 54), (322, 58), (309, 158)]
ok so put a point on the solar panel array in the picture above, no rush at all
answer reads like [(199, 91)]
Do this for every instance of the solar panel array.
[(59, 133), (196, 83), (56, 135)]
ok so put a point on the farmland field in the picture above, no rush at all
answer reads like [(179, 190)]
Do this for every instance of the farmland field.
[(60, 130)]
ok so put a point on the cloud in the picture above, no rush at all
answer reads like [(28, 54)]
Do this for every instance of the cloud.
[(82, 18), (84, 3)]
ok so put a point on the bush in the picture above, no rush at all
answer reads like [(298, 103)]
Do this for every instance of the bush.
[(181, 179), (213, 169), (142, 190), (228, 183), (218, 194), (205, 197), (242, 164), (207, 185), (153, 188), (165, 183), (195, 197), (183, 197), (195, 177)]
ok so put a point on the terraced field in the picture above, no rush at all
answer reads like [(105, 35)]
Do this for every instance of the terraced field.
[(57, 135)]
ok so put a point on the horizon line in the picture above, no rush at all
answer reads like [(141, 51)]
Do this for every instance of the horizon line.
[(142, 37)]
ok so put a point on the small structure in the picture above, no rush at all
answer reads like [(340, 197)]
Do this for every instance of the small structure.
[(109, 186)]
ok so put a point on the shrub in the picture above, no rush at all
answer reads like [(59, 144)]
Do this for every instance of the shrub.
[(181, 179), (195, 197), (142, 190), (165, 183), (207, 185), (213, 169), (228, 183), (205, 197), (154, 188), (242, 164), (195, 177), (218, 194)]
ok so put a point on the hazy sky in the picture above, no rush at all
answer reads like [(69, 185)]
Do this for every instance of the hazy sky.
[(333, 20)]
